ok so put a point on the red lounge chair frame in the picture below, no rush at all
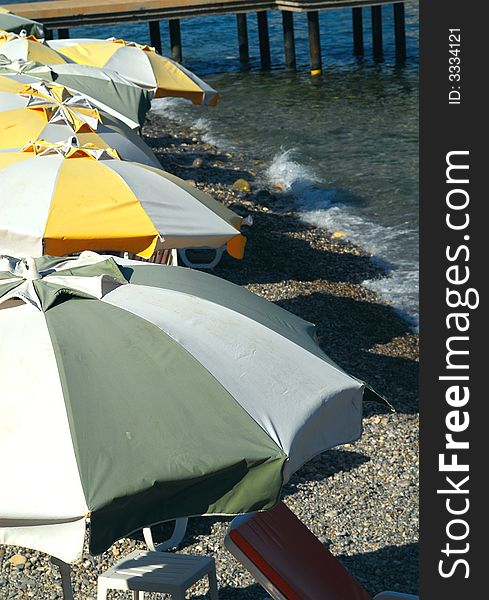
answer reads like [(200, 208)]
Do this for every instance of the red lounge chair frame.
[(290, 562)]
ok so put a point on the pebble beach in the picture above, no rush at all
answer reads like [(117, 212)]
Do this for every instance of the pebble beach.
[(360, 499)]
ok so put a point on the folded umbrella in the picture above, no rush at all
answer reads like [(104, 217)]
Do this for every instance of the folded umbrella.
[(146, 393), (58, 199), (12, 22), (20, 46), (106, 89), (141, 65)]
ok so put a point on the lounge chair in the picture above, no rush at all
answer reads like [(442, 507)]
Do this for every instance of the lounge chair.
[(162, 257), (290, 562)]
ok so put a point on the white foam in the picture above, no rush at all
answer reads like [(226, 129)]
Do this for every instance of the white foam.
[(319, 206), (175, 109)]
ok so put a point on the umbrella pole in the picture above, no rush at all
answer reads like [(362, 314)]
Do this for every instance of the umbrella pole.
[(65, 570)]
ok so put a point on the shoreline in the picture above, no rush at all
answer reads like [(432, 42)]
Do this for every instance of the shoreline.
[(362, 498)]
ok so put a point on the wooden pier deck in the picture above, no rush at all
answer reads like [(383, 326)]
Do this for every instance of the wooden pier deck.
[(65, 14)]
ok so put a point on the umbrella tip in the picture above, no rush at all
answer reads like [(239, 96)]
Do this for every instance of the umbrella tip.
[(32, 272)]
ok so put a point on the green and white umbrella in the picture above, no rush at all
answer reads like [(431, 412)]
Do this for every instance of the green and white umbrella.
[(108, 90), (135, 393)]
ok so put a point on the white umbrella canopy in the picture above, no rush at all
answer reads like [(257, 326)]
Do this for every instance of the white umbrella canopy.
[(151, 393)]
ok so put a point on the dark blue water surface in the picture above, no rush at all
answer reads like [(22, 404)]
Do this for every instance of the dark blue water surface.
[(345, 143)]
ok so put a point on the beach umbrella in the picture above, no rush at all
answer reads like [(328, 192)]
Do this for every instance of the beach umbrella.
[(50, 112), (12, 83), (12, 22), (107, 90), (58, 199), (141, 65), (135, 393), (20, 46)]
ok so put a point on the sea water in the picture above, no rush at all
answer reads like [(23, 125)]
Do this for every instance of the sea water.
[(345, 143)]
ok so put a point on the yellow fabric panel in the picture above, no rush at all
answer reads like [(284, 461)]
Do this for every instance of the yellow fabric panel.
[(93, 209), (86, 137), (10, 85), (43, 54), (9, 158), (95, 55), (169, 76), (17, 127)]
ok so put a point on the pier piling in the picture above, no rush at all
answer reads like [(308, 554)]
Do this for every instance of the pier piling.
[(264, 40), (314, 42), (63, 34), (357, 18), (175, 40), (155, 35), (377, 32), (400, 31), (289, 41), (242, 25)]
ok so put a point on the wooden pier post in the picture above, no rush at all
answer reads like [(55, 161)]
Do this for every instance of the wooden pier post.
[(289, 41), (48, 34), (314, 42), (244, 52), (155, 35), (264, 40), (63, 34), (175, 40), (377, 32), (357, 18), (400, 31)]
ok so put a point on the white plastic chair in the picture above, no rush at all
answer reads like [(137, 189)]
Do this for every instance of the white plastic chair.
[(172, 542), (182, 253)]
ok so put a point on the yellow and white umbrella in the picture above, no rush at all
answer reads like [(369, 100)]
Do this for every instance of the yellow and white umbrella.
[(50, 112), (105, 88), (56, 102), (58, 199), (28, 47), (12, 84), (141, 65)]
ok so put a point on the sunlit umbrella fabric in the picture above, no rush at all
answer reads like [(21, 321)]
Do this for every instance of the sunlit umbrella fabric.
[(106, 89), (27, 47), (50, 112), (175, 394), (141, 65), (15, 23), (58, 104), (58, 199)]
